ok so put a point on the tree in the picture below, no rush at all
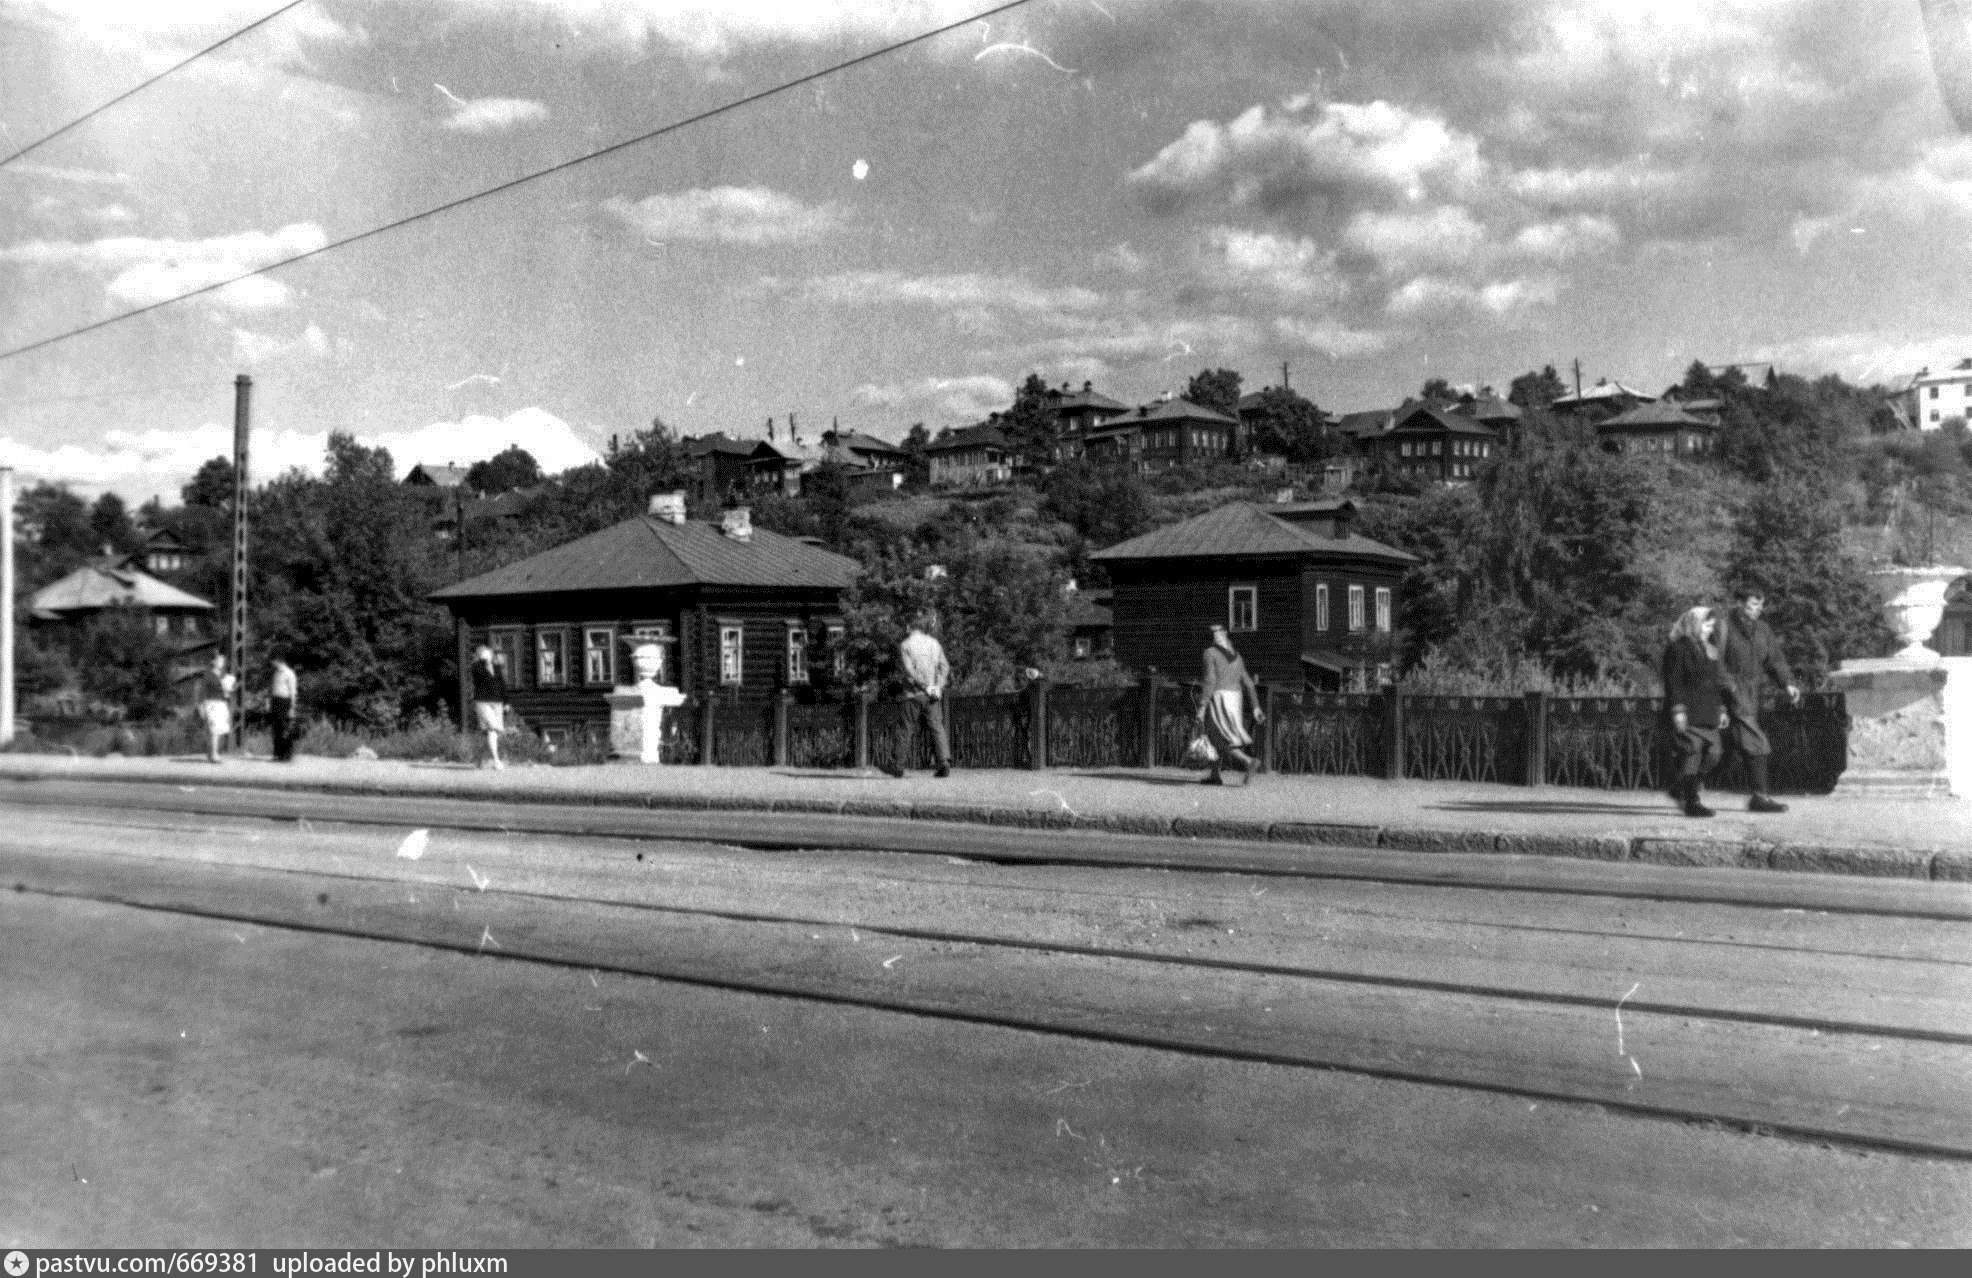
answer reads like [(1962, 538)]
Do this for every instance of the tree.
[(1285, 423), (211, 487), (1103, 504), (1439, 391), (917, 467), (1538, 390), (1787, 546), (53, 535), (109, 523), (1029, 425), (1216, 389), (505, 471), (120, 659)]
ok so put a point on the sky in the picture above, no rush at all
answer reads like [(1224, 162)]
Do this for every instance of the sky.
[(1124, 192)]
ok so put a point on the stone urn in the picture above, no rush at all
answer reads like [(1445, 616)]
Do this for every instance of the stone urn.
[(1914, 604), (1910, 715)]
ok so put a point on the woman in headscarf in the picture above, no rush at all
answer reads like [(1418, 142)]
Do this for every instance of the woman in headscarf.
[(1696, 691), (1222, 706)]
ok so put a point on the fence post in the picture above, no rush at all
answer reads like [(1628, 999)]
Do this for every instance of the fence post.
[(1536, 710), (1267, 728), (781, 704), (1393, 734), (705, 727), (1037, 724), (1150, 685), (862, 730)]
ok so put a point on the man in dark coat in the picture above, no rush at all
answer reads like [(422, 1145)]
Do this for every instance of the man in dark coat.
[(1752, 655)]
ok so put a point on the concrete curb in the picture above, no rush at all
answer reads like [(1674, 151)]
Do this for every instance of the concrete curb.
[(1866, 860)]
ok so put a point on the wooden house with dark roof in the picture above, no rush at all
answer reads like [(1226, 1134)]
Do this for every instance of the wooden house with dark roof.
[(1307, 600), (1662, 428), (740, 612), (1076, 414), (870, 465), (1172, 432), (432, 475), (978, 456), (739, 469), (1433, 443), (1599, 402), (183, 621)]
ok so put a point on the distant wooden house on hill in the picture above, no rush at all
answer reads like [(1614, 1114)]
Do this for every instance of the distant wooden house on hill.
[(740, 612), (1076, 414), (1434, 443), (871, 465), (183, 621), (431, 475), (977, 456), (738, 469), (1306, 599), (1600, 402), (1172, 432), (1661, 428)]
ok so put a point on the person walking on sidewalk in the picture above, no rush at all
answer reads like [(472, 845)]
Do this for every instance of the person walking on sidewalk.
[(282, 693), (1751, 654), (925, 673), (489, 702), (1696, 690), (214, 690), (1222, 707)]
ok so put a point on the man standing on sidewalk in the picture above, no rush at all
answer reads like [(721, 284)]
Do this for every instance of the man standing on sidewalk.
[(282, 694), (926, 673), (489, 702), (1750, 654)]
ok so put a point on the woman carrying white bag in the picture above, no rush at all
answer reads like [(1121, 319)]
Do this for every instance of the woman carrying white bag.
[(1222, 706)]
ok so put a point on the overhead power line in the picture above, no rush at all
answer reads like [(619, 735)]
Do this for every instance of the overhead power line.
[(205, 386), (464, 200), (126, 96)]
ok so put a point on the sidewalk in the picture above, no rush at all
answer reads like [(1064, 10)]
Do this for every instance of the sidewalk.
[(1889, 838)]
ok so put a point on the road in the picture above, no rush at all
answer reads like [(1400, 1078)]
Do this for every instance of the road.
[(231, 1028)]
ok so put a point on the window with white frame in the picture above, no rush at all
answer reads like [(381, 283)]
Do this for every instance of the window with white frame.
[(599, 654), (797, 653), (1321, 606), (1243, 608), (506, 653), (838, 642), (1355, 607), (550, 657), (1383, 609), (732, 653), (1082, 647)]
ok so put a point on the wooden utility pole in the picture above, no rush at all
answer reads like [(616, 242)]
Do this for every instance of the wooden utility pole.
[(236, 629), (1578, 379), (1284, 383), (6, 605)]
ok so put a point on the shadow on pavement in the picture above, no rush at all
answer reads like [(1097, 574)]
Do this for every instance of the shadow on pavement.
[(1144, 778)]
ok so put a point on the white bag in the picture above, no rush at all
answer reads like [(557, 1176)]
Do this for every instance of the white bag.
[(1200, 754)]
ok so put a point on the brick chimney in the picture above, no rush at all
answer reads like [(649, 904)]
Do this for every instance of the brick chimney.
[(669, 507), (737, 523)]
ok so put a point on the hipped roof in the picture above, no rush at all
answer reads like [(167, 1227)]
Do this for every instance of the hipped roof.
[(106, 583), (1665, 413), (1242, 528), (651, 554)]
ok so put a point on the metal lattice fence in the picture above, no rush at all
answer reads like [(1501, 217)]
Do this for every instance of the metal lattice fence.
[(1095, 727), (1330, 734), (1465, 738)]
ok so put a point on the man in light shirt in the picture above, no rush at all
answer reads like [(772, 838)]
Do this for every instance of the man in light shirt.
[(926, 673), (282, 693)]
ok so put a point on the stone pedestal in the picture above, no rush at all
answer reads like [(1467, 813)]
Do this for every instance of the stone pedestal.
[(636, 713), (1910, 715)]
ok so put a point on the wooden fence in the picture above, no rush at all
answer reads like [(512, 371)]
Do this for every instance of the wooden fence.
[(1596, 742)]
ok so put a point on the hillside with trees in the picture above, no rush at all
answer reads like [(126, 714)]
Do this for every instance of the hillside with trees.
[(1562, 565)]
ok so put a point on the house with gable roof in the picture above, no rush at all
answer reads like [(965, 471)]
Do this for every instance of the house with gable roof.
[(1434, 443), (1307, 600), (1170, 432)]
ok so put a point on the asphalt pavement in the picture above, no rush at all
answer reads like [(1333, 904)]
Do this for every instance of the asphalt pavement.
[(1872, 837), (626, 1041)]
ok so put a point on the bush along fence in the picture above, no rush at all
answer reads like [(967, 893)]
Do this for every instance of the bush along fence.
[(1594, 742)]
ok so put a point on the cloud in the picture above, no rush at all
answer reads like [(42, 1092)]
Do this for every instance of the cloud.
[(1292, 267), (1329, 337), (160, 35), (492, 115), (753, 215), (137, 464), (257, 349), (969, 398), (87, 177), (1446, 237), (960, 293), (716, 29), (1376, 151), (1430, 296), (137, 270), (1868, 357)]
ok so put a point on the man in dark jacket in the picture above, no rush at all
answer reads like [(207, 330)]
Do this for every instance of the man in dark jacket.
[(1752, 655)]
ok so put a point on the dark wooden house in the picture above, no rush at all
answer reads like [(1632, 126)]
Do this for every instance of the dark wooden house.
[(1076, 414), (741, 613), (978, 456), (1664, 428), (1173, 432), (1435, 443), (1599, 402), (739, 469), (1306, 599)]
